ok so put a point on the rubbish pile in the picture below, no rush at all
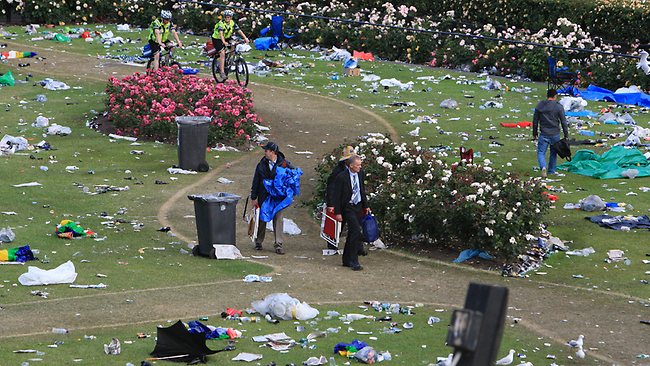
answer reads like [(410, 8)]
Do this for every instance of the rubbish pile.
[(540, 248)]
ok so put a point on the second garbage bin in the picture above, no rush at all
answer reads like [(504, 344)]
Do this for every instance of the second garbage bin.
[(215, 220), (192, 142)]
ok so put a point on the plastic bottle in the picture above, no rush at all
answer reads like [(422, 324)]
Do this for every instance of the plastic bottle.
[(59, 331), (332, 361)]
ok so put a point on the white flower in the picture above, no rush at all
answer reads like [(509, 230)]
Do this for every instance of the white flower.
[(392, 195), (480, 192), (471, 197), (513, 240), (418, 160), (481, 202), (489, 231), (380, 160), (509, 215), (412, 206), (453, 193)]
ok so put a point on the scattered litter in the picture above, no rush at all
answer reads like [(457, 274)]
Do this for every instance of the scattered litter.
[(7, 235), (41, 122), (226, 251), (248, 357), (30, 184), (449, 104), (179, 171), (582, 252), (289, 227), (53, 84), (100, 285), (256, 278), (223, 180), (118, 137), (283, 306), (113, 348), (55, 129)]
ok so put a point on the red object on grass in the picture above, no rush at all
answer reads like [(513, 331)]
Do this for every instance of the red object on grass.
[(522, 124), (366, 56)]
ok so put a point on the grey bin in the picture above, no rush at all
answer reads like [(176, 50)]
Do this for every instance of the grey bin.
[(215, 215), (192, 142)]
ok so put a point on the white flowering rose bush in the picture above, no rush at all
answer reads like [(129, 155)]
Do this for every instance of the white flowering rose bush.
[(424, 198)]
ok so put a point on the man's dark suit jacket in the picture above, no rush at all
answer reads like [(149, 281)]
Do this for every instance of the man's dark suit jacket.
[(343, 191)]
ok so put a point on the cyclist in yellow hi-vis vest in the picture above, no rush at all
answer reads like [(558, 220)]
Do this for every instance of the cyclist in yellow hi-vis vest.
[(159, 31), (222, 36)]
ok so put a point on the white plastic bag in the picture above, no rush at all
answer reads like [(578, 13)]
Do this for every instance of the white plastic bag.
[(592, 203), (64, 273), (305, 312)]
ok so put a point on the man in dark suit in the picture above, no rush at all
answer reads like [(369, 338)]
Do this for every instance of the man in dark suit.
[(265, 169), (350, 203)]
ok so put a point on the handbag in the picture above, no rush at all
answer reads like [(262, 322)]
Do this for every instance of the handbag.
[(370, 228), (562, 149)]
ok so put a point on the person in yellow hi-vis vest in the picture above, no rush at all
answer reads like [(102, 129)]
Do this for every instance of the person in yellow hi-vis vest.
[(222, 35), (159, 31)]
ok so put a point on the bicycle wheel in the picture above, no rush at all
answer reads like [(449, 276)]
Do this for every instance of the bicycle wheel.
[(241, 71)]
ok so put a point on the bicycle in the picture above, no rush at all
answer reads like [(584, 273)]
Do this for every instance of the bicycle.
[(234, 63), (166, 57)]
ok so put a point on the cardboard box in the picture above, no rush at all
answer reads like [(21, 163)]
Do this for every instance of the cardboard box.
[(353, 72)]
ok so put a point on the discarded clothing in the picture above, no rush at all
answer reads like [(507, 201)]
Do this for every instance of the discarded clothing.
[(20, 254), (347, 349), (620, 222), (196, 327), (68, 229), (472, 253)]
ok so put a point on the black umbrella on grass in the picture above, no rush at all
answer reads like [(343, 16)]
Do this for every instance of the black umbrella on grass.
[(176, 343)]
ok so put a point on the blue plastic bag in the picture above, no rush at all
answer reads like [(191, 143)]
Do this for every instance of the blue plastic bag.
[(370, 228)]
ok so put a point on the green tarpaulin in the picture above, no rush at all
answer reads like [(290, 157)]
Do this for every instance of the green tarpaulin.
[(608, 165), (7, 79)]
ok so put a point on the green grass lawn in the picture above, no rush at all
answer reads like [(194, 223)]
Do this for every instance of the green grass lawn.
[(418, 346)]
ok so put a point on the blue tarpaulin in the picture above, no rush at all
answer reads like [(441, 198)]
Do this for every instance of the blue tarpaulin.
[(282, 189), (601, 94)]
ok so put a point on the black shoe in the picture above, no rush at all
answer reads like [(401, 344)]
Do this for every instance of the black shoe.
[(258, 246), (357, 268)]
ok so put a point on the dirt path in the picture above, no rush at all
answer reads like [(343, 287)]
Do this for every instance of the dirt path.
[(610, 322)]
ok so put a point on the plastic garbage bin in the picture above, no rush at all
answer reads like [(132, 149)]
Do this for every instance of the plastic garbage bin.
[(192, 142), (215, 221)]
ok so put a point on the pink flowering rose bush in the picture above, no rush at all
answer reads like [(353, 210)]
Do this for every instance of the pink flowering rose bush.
[(145, 105)]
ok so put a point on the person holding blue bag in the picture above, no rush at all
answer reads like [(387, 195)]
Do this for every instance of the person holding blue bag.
[(275, 183), (350, 203)]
